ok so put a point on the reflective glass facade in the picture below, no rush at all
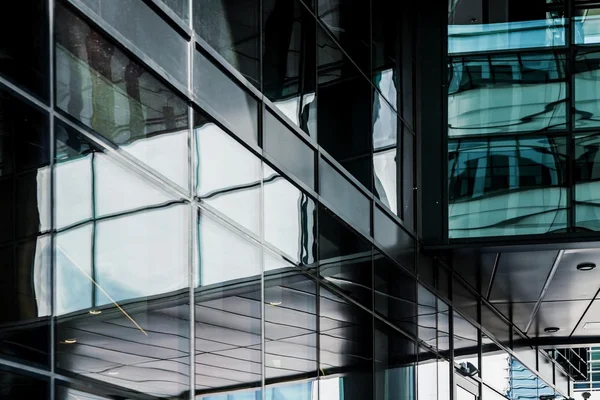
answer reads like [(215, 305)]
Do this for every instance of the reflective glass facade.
[(218, 200), (522, 102)]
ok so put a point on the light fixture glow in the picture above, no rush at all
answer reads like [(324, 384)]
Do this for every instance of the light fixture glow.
[(69, 341), (95, 312), (113, 373), (275, 303), (586, 266)]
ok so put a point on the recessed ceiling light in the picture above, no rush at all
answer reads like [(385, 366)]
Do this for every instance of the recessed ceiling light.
[(275, 303), (69, 341), (586, 266), (552, 329), (95, 312), (113, 373)]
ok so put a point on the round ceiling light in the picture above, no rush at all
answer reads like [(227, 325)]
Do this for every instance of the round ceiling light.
[(586, 266), (552, 329)]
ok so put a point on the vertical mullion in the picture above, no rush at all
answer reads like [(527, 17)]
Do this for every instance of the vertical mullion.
[(193, 217), (52, 192), (569, 101)]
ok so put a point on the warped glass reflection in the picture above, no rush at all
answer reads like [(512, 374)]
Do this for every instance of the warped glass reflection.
[(506, 93), (507, 186)]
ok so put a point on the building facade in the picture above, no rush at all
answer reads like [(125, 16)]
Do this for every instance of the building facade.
[(280, 199)]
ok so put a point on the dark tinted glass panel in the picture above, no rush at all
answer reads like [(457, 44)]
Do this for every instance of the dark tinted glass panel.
[(24, 171), (529, 174), (393, 239), (290, 325), (385, 153), (443, 323), (15, 386), (215, 91), (349, 22), (386, 48), (504, 24), (464, 300), (494, 324), (180, 7), (346, 347), (507, 93), (289, 150), (395, 358), (427, 316), (395, 293), (289, 59), (228, 176), (106, 90), (232, 28), (344, 257), (145, 29), (24, 47), (25, 300), (289, 218), (408, 179), (344, 110), (344, 196)]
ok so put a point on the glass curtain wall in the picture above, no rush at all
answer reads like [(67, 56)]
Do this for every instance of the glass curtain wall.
[(521, 110)]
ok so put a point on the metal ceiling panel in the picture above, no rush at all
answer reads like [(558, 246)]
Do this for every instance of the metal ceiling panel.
[(569, 283), (591, 315), (561, 314)]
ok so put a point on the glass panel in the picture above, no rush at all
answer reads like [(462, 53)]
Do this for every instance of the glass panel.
[(68, 393), (587, 182), (349, 22), (462, 394), (408, 179), (528, 174), (180, 7), (497, 367), (344, 258), (232, 28), (89, 183), (466, 346), (395, 293), (24, 48), (395, 358), (385, 160), (490, 394), (346, 347), (20, 386), (506, 93), (394, 240), (344, 110), (586, 23), (139, 24), (587, 106), (228, 176), (443, 325), (290, 218), (228, 310), (522, 380), (106, 90), (288, 149), (427, 316), (122, 301), (338, 191), (427, 376), (504, 24), (289, 57), (290, 328), (236, 109), (24, 171)]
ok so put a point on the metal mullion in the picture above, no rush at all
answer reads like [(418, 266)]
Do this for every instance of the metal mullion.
[(193, 217), (51, 84)]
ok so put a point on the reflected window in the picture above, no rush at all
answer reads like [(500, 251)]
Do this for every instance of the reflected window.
[(486, 175), (497, 367), (395, 358), (587, 106), (16, 386), (506, 93), (504, 25), (232, 28), (427, 376), (113, 94), (466, 346), (289, 218), (385, 162), (228, 176), (289, 57)]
